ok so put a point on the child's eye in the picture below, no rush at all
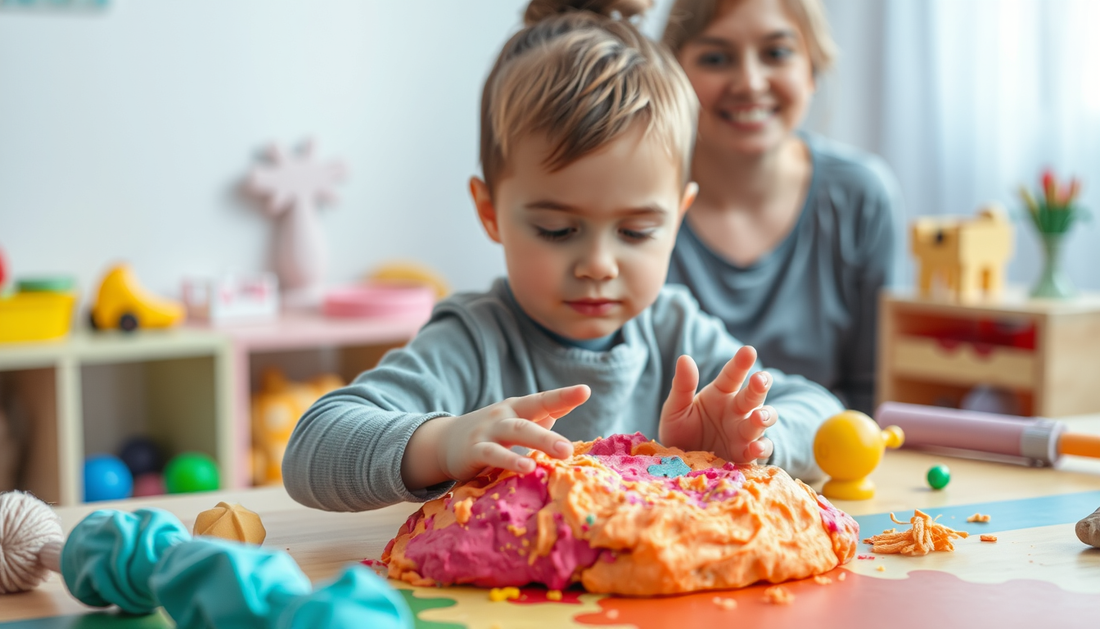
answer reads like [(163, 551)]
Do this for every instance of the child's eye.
[(554, 234), (636, 235)]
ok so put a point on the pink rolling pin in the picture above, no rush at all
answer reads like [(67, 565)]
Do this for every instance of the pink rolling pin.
[(1039, 440)]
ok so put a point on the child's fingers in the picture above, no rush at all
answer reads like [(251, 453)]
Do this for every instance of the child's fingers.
[(753, 394), (733, 374), (761, 449), (759, 420), (487, 453), (684, 384), (522, 432), (551, 404)]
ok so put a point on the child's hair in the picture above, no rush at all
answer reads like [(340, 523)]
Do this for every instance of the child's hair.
[(582, 74), (688, 18)]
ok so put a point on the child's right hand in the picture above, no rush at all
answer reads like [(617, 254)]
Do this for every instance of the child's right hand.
[(460, 448)]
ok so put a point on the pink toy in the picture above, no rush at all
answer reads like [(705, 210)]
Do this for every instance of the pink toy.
[(232, 298), (379, 301), (1035, 440), (150, 484), (294, 186)]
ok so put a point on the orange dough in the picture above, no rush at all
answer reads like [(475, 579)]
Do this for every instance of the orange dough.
[(627, 516)]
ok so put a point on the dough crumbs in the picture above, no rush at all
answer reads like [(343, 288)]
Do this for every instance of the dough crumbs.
[(612, 614), (978, 517), (821, 579), (498, 595), (778, 595), (463, 510), (925, 536), (842, 576), (553, 595), (988, 538), (881, 568), (725, 603)]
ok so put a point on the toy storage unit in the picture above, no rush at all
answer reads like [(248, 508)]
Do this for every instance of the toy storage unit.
[(186, 388), (88, 393), (1045, 351)]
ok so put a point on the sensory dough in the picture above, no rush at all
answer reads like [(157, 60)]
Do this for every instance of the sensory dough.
[(627, 516)]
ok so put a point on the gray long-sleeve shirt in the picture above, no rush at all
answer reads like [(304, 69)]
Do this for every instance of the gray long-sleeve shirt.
[(480, 348), (810, 305)]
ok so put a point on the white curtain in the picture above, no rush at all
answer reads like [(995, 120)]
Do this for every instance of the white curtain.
[(969, 99)]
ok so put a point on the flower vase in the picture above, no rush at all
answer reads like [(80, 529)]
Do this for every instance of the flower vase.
[(1053, 283)]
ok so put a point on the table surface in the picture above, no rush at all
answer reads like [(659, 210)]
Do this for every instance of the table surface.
[(1038, 571)]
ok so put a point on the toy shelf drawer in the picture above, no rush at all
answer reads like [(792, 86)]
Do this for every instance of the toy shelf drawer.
[(963, 363)]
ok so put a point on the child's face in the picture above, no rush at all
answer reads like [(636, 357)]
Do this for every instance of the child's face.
[(587, 247), (752, 73)]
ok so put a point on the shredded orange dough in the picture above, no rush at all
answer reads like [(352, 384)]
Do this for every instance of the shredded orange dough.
[(925, 536)]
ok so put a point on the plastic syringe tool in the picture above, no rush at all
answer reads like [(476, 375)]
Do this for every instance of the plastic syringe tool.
[(1039, 440)]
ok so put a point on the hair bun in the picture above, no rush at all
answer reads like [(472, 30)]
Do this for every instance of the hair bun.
[(539, 10)]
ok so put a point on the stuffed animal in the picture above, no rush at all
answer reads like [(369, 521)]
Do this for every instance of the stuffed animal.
[(276, 408)]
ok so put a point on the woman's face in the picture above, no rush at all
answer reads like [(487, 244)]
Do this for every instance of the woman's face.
[(752, 73)]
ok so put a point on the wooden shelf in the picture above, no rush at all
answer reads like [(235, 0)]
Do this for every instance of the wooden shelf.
[(188, 387), (1046, 351)]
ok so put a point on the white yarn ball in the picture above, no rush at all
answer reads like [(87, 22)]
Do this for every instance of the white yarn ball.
[(26, 525)]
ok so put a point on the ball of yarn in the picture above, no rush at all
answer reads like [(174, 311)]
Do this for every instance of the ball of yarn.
[(26, 525)]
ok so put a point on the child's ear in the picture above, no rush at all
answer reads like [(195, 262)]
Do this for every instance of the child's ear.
[(486, 211), (691, 190)]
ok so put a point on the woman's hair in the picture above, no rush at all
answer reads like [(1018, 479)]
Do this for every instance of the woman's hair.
[(689, 18), (581, 73)]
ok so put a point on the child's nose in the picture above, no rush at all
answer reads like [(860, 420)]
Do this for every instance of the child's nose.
[(597, 263)]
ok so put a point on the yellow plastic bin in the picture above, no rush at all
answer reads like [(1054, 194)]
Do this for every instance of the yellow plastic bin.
[(35, 316)]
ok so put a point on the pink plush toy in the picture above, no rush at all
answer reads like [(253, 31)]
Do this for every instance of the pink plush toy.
[(294, 186)]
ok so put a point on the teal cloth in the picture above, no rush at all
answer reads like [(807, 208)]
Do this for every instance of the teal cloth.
[(146, 559), (110, 556)]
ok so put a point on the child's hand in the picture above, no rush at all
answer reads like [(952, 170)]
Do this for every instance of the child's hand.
[(460, 448), (723, 418)]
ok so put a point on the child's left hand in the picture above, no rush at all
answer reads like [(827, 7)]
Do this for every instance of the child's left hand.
[(724, 418)]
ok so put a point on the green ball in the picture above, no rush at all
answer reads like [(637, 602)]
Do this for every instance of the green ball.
[(190, 472), (938, 476)]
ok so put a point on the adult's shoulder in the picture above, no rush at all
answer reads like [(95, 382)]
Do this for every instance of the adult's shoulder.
[(848, 168)]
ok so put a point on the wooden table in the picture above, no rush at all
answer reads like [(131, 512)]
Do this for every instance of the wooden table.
[(1037, 574)]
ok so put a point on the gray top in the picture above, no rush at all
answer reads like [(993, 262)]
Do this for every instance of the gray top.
[(480, 348), (810, 305)]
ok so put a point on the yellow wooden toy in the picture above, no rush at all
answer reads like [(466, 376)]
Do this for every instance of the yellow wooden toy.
[(121, 302), (232, 522), (848, 447), (969, 255), (276, 408)]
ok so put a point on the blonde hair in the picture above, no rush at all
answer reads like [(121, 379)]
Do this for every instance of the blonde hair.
[(689, 18), (582, 74)]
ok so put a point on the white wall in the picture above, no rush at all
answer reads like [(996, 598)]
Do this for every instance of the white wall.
[(125, 132)]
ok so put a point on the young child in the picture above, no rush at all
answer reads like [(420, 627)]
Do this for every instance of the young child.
[(586, 133)]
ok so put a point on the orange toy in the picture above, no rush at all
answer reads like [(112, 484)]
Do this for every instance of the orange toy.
[(276, 408)]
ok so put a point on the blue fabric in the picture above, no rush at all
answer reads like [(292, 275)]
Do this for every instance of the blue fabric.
[(110, 556), (209, 582), (146, 559), (359, 598)]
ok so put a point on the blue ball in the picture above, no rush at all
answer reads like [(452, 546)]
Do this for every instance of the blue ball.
[(106, 477), (142, 456)]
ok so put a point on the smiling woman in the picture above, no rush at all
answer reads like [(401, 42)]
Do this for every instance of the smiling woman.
[(791, 236)]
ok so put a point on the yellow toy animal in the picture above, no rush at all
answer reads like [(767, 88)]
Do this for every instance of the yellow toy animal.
[(276, 408), (969, 254)]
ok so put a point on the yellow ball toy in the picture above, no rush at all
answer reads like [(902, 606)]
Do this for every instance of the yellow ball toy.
[(848, 447)]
